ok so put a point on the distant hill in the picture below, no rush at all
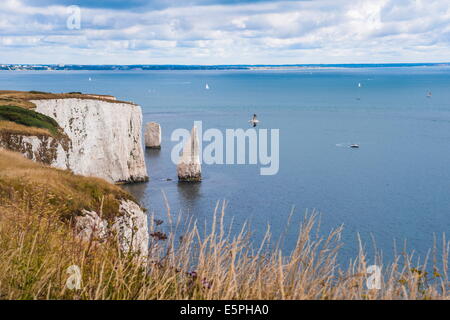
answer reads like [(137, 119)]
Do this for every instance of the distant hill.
[(208, 67)]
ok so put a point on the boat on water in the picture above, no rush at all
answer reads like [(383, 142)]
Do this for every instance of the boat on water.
[(429, 94), (254, 121), (354, 146), (207, 86), (359, 95)]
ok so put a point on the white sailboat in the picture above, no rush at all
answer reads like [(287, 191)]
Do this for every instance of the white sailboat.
[(359, 94), (207, 87)]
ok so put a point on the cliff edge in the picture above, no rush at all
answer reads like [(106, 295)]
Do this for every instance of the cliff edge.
[(97, 210), (91, 135)]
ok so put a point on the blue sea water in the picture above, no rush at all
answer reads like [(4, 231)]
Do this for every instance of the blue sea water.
[(395, 186)]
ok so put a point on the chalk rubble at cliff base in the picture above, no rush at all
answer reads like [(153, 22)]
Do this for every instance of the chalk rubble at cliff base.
[(130, 227)]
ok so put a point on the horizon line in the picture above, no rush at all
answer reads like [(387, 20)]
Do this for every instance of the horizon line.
[(236, 65)]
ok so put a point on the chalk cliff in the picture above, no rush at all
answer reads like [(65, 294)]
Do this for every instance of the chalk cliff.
[(94, 136), (98, 210), (40, 148), (105, 138), (130, 227)]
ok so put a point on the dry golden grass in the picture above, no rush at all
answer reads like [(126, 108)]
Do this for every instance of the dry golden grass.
[(70, 194), (37, 247), (33, 123), (22, 98), (16, 128), (5, 101)]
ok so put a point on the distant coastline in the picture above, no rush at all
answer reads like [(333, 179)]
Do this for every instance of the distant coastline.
[(69, 67)]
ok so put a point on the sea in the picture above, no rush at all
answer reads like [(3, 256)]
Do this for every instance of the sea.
[(394, 190)]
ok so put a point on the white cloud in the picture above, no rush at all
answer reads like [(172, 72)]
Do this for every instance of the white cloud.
[(322, 31)]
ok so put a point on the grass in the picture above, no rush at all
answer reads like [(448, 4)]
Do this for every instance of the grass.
[(17, 108), (12, 127), (37, 247), (67, 194), (28, 118), (23, 98)]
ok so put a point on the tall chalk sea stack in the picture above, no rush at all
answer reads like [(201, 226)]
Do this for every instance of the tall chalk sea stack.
[(153, 135), (105, 137), (189, 168)]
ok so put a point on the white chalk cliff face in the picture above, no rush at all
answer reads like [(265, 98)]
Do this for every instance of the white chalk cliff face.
[(105, 137), (130, 227), (102, 139), (42, 148)]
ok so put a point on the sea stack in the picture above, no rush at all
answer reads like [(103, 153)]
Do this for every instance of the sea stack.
[(153, 135), (189, 168)]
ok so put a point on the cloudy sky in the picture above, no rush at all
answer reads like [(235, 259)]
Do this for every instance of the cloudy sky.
[(224, 31)]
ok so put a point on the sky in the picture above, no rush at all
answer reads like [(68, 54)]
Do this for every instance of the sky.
[(207, 32)]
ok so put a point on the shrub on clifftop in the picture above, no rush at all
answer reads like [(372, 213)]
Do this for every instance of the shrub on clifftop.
[(28, 118)]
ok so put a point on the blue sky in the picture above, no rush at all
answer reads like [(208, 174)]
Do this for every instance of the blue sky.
[(225, 31)]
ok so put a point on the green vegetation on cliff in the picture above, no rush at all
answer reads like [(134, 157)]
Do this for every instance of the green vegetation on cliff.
[(17, 113), (18, 118), (28, 118)]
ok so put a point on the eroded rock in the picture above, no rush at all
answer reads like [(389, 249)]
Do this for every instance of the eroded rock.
[(189, 167), (153, 135)]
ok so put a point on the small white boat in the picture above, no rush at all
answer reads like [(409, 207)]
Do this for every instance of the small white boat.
[(429, 94), (90, 79), (207, 87), (359, 85), (354, 146)]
